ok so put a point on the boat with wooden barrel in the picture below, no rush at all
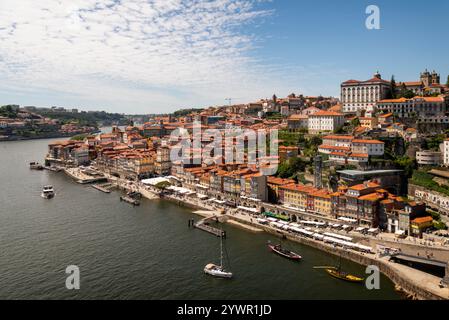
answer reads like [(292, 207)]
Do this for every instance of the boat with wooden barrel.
[(336, 273), (278, 249)]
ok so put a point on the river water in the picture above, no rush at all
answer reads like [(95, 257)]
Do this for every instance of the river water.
[(145, 252)]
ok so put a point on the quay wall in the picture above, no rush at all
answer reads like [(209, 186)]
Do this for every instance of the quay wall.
[(411, 290)]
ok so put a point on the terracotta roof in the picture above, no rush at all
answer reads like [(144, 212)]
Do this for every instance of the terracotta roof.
[(359, 155), (298, 117), (336, 108), (338, 137), (422, 220), (410, 83), (334, 148), (367, 141), (351, 81), (370, 197), (326, 114), (393, 100), (363, 186)]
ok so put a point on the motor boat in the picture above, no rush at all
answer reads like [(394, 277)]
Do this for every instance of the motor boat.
[(48, 192)]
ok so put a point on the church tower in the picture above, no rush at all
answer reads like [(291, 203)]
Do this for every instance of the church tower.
[(435, 77), (426, 78)]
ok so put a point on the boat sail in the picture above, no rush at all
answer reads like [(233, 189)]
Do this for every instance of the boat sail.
[(218, 270)]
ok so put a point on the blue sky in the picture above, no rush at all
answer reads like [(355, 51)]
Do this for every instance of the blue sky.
[(140, 56)]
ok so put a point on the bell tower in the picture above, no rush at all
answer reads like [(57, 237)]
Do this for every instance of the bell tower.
[(426, 78), (435, 77)]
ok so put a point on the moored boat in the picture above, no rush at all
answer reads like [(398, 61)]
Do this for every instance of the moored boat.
[(36, 166), (218, 270), (336, 273), (278, 249), (48, 192)]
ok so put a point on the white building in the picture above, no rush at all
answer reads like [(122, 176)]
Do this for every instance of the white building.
[(446, 152), (362, 95), (346, 149), (428, 158), (325, 121), (424, 108), (370, 147)]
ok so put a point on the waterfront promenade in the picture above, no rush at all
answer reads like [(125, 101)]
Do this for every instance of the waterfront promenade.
[(416, 283)]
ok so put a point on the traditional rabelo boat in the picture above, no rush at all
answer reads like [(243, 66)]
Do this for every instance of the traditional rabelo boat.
[(278, 249)]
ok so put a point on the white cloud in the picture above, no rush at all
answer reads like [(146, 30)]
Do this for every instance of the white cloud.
[(138, 53)]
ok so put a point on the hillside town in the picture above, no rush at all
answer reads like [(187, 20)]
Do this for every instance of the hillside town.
[(375, 158), (30, 122)]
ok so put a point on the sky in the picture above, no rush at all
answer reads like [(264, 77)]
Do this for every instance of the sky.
[(157, 56)]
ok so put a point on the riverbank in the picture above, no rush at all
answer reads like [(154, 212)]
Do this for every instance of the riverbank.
[(55, 135), (415, 284)]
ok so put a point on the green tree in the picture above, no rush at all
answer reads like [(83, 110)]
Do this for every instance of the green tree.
[(393, 88), (291, 168), (316, 141), (355, 122), (407, 164), (8, 111), (408, 94)]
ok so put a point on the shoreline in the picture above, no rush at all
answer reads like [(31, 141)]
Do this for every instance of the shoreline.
[(404, 284), (55, 136), (404, 278)]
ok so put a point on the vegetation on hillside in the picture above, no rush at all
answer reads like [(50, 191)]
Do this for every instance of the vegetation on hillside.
[(424, 179), (92, 119), (184, 112), (8, 111)]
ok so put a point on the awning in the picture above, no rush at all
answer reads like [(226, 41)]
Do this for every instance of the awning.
[(248, 209)]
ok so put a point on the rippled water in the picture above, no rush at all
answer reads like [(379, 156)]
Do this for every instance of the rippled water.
[(147, 252)]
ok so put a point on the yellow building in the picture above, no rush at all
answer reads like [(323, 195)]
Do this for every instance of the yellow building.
[(419, 225), (322, 203), (367, 122)]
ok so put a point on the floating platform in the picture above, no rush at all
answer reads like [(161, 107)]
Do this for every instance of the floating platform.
[(54, 169), (103, 187), (202, 225), (130, 200)]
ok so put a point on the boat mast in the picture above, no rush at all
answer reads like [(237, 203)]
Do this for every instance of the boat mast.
[(221, 251)]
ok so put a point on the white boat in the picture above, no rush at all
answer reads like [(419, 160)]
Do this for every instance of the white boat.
[(218, 270), (48, 192)]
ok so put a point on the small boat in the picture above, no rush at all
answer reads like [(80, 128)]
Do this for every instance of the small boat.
[(48, 192), (336, 273), (36, 166), (218, 270), (278, 249)]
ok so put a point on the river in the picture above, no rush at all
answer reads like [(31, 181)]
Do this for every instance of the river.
[(145, 252)]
